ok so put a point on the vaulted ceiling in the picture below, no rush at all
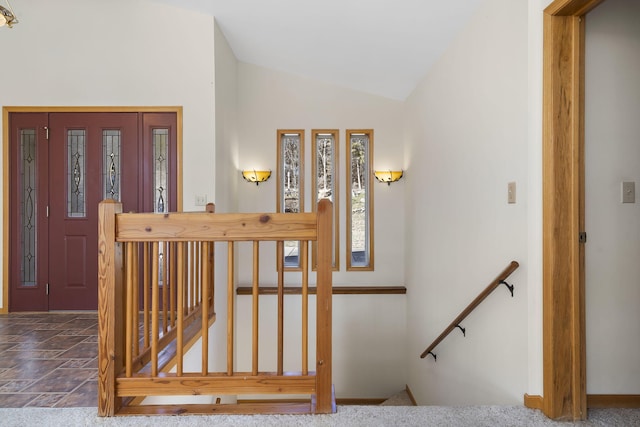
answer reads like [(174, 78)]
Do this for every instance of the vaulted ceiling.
[(383, 47)]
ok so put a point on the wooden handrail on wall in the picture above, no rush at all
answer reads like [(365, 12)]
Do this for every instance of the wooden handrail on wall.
[(499, 280)]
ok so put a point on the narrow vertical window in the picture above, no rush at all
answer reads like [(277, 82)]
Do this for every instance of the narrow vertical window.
[(359, 200), (291, 185), (76, 173), (111, 164), (28, 215), (324, 161)]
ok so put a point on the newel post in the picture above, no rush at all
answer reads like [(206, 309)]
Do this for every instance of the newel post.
[(324, 385), (110, 321)]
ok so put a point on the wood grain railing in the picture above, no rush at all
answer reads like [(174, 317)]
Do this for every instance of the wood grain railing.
[(499, 280), (156, 292)]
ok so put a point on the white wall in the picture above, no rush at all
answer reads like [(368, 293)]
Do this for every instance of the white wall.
[(466, 138), (226, 124), (612, 155), (117, 53), (534, 196)]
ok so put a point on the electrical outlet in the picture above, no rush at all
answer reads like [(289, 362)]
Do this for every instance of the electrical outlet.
[(201, 200), (511, 192), (628, 192)]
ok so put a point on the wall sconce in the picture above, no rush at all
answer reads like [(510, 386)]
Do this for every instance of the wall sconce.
[(388, 176), (7, 16), (256, 176)]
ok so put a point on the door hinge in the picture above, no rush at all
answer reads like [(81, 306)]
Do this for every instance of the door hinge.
[(582, 237), (47, 289), (46, 129)]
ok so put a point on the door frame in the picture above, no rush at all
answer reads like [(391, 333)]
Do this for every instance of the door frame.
[(563, 302), (6, 176)]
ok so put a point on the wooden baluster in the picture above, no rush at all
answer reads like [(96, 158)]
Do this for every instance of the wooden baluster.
[(154, 308), (128, 346), (212, 280), (304, 246), (192, 276), (280, 257), (172, 283), (185, 277), (256, 275), (145, 294), (230, 308), (136, 299), (198, 276), (165, 286), (205, 309), (180, 302)]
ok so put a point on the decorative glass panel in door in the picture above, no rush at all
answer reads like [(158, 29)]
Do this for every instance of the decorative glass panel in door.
[(76, 168), (28, 207), (161, 169), (111, 163)]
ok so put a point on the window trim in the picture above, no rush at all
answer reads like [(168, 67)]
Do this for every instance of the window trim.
[(369, 195)]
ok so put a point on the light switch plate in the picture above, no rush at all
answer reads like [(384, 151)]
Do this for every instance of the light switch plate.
[(511, 192), (628, 192)]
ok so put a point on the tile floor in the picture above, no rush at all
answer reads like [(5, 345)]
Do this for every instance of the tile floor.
[(48, 360)]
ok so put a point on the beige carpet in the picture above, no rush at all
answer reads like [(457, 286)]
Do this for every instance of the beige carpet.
[(359, 416)]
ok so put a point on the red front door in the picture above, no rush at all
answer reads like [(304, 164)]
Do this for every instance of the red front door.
[(80, 150), (88, 157)]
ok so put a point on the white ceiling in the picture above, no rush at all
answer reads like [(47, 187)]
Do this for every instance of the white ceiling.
[(383, 47)]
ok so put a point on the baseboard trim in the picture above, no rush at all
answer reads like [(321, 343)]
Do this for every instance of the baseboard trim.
[(408, 390), (533, 401), (613, 400), (359, 401), (593, 401)]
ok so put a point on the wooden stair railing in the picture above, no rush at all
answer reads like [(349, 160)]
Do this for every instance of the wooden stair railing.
[(499, 280), (156, 291)]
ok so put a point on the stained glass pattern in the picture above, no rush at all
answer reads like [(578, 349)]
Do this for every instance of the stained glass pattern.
[(76, 172), (161, 169), (28, 214), (111, 164)]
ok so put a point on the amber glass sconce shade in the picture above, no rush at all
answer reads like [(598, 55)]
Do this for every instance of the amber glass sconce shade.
[(256, 176), (388, 176)]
